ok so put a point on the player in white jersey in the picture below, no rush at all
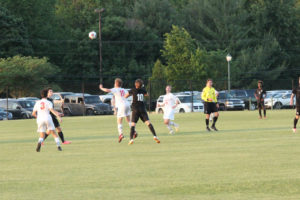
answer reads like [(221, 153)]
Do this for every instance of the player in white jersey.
[(121, 105), (170, 102), (41, 111)]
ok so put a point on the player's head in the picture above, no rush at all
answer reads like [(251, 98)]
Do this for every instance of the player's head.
[(49, 92), (168, 88), (118, 82), (138, 83), (44, 93), (209, 82), (260, 84)]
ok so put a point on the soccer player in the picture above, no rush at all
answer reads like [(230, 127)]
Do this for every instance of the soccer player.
[(139, 110), (55, 121), (210, 104), (260, 95), (170, 102), (41, 111), (296, 92), (122, 106)]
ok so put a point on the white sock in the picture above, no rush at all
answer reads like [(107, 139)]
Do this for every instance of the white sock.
[(57, 141), (173, 124), (169, 127), (120, 129), (41, 140)]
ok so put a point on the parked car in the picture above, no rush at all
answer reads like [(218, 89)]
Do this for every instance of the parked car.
[(5, 115), (29, 98), (89, 105), (278, 101), (27, 104), (185, 104), (247, 96), (227, 102), (58, 99), (13, 106)]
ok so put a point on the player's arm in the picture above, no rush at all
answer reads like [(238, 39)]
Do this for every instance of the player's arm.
[(292, 99), (127, 95), (34, 114), (104, 89), (57, 114), (176, 103)]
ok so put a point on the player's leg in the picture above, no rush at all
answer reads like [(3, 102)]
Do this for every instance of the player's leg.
[(167, 123), (216, 116), (171, 120), (259, 110), (59, 131), (134, 119), (207, 112), (120, 128), (264, 108), (145, 118), (51, 130), (40, 141), (296, 119)]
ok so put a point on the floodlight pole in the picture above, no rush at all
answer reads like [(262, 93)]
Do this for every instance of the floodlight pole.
[(99, 11), (228, 58)]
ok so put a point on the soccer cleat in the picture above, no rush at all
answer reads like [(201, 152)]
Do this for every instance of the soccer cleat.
[(130, 142), (214, 128), (121, 138), (171, 132), (265, 117), (156, 140), (135, 135), (177, 128), (259, 117), (208, 129), (67, 142), (38, 148), (294, 130), (59, 148)]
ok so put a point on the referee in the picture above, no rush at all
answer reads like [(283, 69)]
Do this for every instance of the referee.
[(210, 104)]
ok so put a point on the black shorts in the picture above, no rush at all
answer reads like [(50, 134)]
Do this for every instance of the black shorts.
[(297, 110), (55, 121), (261, 104), (210, 107), (139, 114)]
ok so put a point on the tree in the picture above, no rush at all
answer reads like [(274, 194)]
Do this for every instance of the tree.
[(14, 36), (25, 76)]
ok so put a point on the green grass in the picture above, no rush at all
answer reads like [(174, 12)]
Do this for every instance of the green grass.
[(247, 159)]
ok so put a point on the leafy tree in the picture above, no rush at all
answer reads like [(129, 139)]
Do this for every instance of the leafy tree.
[(25, 76)]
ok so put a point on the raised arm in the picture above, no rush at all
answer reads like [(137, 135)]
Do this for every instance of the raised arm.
[(104, 89)]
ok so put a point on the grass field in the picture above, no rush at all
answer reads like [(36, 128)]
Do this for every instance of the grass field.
[(247, 159)]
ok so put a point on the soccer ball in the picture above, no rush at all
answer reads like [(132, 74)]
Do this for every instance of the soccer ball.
[(92, 35)]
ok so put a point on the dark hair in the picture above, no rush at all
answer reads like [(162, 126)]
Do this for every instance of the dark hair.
[(140, 81), (49, 88), (44, 93), (119, 81)]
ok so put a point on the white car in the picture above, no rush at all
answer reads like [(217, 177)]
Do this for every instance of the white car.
[(279, 101), (185, 104)]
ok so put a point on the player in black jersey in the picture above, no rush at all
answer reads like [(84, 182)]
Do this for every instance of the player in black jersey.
[(296, 92), (260, 95), (55, 121), (139, 110)]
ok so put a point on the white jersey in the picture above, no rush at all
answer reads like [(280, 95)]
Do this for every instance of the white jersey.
[(43, 110), (119, 94), (169, 101)]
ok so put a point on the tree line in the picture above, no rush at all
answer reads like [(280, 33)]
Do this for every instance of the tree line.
[(151, 39)]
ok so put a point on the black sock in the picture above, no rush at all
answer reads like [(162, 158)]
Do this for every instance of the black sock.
[(215, 120), (265, 112), (295, 122), (132, 130), (45, 137), (61, 136), (259, 111), (152, 129), (207, 122)]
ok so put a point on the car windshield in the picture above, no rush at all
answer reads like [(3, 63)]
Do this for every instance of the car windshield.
[(224, 95), (2, 110), (91, 99), (27, 104)]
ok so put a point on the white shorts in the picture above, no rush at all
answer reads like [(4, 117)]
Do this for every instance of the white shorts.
[(169, 114), (45, 125), (123, 110)]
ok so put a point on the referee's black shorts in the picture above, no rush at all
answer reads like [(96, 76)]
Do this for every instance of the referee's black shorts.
[(210, 107), (139, 113), (261, 104)]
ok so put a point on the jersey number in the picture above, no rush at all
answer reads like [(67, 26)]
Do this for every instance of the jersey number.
[(122, 93), (140, 97), (42, 105)]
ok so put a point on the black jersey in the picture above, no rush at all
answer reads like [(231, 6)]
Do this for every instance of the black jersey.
[(260, 93), (138, 97), (296, 92), (51, 100)]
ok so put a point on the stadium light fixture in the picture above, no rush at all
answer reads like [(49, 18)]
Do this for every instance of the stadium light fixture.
[(228, 58)]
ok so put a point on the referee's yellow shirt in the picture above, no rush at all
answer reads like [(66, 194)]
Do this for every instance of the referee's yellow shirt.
[(209, 93)]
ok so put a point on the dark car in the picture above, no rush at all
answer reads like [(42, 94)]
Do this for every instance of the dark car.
[(58, 100), (13, 106), (247, 96), (85, 105), (5, 115), (227, 102)]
